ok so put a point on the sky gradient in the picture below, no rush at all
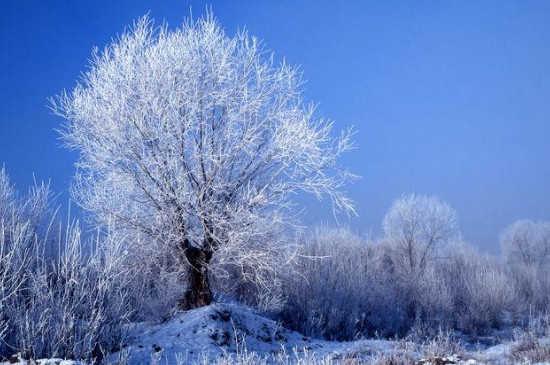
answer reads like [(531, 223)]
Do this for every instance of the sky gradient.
[(448, 98)]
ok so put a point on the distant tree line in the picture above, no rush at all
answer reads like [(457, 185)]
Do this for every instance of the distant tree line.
[(417, 278)]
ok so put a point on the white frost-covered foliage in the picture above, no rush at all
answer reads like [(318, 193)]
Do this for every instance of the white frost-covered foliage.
[(527, 243), (526, 248), (345, 289), (353, 288), (61, 296), (199, 140), (482, 290), (415, 227), (19, 217)]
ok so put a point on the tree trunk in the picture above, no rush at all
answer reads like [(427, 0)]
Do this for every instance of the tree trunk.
[(198, 293)]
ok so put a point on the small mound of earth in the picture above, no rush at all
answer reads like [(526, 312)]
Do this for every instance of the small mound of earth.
[(209, 332)]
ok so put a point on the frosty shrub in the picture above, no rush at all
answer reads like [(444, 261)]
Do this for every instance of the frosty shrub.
[(529, 350), (433, 302), (345, 291), (532, 285), (481, 289), (526, 249), (59, 296), (349, 288), (18, 232)]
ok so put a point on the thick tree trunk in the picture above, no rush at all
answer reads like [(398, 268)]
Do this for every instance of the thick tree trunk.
[(198, 293)]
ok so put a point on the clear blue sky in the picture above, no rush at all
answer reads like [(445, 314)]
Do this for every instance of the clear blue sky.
[(450, 98)]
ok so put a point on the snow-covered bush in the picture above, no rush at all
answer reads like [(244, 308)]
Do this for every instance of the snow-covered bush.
[(529, 350), (71, 304), (532, 286), (350, 288), (417, 229), (344, 290), (18, 232), (433, 302), (59, 296), (482, 289)]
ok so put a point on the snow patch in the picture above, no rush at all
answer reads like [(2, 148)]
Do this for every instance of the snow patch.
[(17, 360), (211, 331)]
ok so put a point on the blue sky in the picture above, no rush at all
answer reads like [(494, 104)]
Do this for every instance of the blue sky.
[(449, 98)]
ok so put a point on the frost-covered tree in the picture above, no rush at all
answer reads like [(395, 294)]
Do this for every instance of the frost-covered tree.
[(415, 226), (197, 141), (526, 242)]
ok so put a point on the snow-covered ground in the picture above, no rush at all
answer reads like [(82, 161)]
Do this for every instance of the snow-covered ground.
[(16, 360), (223, 330)]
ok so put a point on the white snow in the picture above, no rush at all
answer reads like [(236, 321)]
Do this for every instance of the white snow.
[(231, 328), (17, 360), (212, 331)]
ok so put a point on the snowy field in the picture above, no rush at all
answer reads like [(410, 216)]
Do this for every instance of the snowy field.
[(235, 334)]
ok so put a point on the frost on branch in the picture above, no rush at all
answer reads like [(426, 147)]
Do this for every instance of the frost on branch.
[(527, 243), (416, 226), (199, 140)]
